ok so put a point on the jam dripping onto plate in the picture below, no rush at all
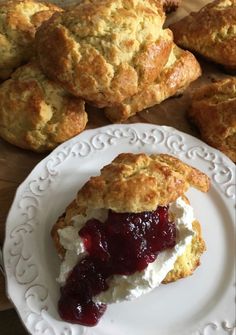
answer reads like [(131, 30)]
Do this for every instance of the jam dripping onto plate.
[(124, 244)]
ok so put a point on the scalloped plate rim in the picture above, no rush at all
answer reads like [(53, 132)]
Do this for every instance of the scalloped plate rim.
[(85, 134)]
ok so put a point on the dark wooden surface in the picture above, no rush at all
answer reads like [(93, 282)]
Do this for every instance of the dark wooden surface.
[(10, 324)]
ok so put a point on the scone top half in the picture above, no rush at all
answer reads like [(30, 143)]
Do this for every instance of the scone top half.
[(105, 51), (138, 182)]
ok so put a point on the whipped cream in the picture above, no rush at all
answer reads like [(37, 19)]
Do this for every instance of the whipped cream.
[(123, 287), (73, 244)]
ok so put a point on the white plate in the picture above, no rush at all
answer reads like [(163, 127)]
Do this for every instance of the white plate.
[(201, 304)]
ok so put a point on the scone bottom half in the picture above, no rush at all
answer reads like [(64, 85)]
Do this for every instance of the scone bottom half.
[(135, 231)]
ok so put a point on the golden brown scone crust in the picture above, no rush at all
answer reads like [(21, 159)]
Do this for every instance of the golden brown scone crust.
[(19, 20), (190, 260), (138, 182), (181, 69), (213, 110), (36, 113), (210, 32), (105, 51), (170, 5)]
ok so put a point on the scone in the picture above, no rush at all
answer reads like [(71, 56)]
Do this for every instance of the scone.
[(36, 113), (210, 32), (213, 111), (125, 231), (19, 20), (105, 51), (181, 69)]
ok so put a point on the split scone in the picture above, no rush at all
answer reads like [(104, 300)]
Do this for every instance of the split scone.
[(19, 20), (36, 113), (210, 32), (128, 230), (181, 69), (105, 51), (213, 111)]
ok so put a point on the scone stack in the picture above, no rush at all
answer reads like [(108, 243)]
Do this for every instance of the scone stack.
[(116, 55), (112, 54)]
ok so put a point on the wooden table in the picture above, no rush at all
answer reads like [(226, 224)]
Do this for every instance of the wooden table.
[(17, 163)]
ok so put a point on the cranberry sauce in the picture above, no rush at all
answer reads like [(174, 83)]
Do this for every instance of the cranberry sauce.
[(124, 244)]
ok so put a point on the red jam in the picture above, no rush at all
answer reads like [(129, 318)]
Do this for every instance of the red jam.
[(124, 244)]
